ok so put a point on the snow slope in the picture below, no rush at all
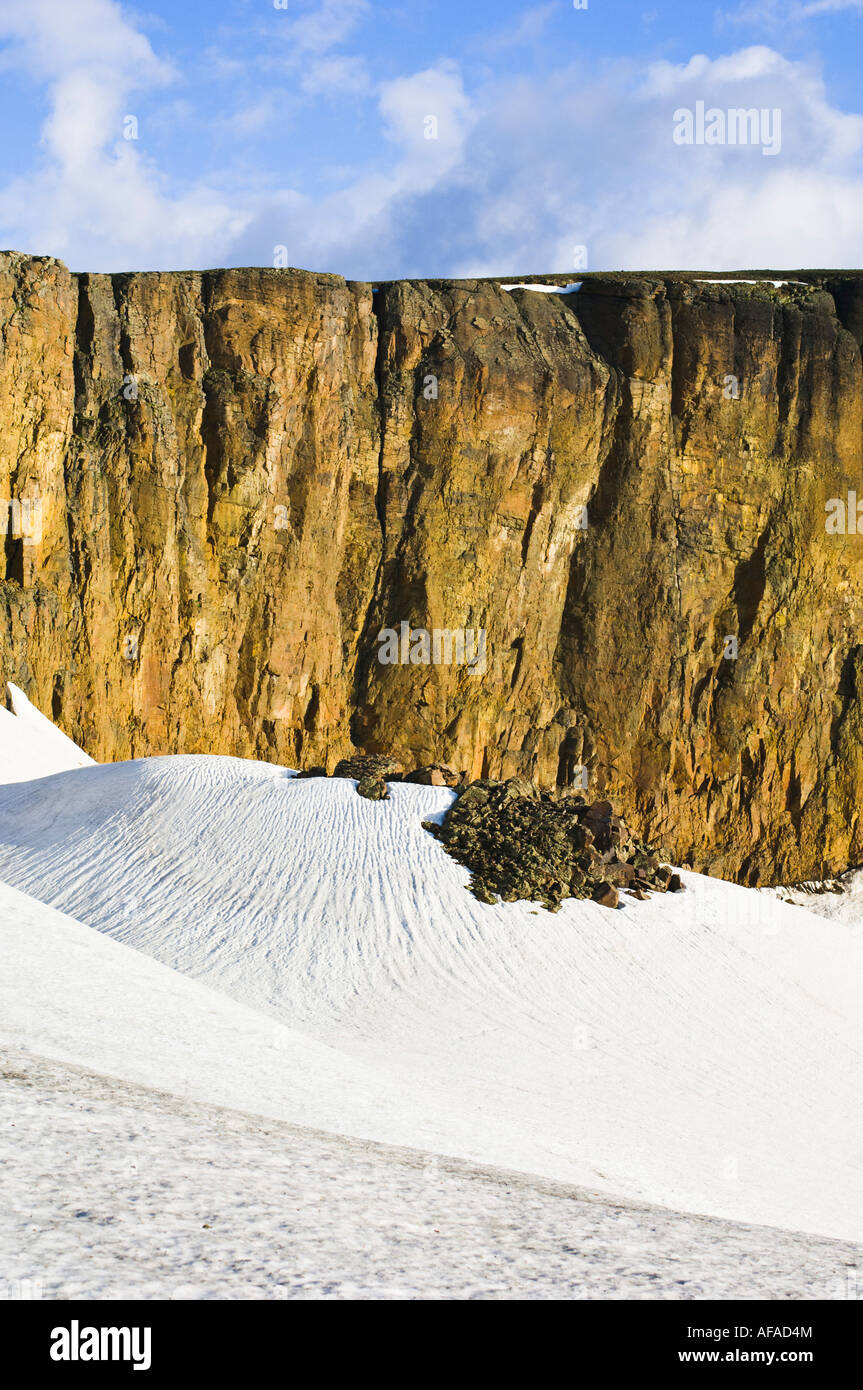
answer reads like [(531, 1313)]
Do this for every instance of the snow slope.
[(840, 899), (701, 1050), (113, 1189), (70, 993), (30, 745), (134, 1193)]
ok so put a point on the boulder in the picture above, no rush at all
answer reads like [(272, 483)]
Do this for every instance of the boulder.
[(435, 775), (373, 788), (621, 874), (605, 894)]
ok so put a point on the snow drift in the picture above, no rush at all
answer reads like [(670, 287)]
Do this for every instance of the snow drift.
[(701, 1051)]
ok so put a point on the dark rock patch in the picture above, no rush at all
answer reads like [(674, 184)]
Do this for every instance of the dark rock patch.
[(519, 842), (373, 765), (373, 788)]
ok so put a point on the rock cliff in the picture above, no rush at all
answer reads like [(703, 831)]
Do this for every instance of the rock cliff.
[(220, 488)]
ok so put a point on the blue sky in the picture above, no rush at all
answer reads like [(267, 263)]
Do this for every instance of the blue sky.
[(267, 134)]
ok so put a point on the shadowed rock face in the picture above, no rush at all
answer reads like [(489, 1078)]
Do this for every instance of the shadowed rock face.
[(244, 476)]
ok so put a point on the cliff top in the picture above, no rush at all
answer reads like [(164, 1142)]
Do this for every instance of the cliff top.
[(817, 278)]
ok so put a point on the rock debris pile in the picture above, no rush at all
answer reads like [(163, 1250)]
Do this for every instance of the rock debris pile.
[(522, 843), (519, 842)]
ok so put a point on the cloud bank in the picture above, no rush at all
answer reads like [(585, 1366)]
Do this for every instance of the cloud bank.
[(504, 176)]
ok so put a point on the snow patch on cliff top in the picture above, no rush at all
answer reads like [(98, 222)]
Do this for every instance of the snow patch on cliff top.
[(571, 288)]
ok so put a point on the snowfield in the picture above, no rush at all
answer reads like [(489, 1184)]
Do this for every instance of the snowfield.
[(221, 970), (134, 1193)]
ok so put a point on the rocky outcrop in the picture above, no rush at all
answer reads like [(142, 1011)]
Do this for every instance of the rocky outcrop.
[(519, 842), (610, 515)]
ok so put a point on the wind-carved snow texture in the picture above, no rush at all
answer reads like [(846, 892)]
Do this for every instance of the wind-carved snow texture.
[(701, 1051)]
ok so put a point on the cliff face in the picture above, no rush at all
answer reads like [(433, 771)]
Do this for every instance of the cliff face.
[(227, 484)]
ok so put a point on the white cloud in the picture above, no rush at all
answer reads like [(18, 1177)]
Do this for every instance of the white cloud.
[(427, 117), (335, 76), (360, 229), (294, 67), (48, 39), (590, 160), (93, 198), (331, 24), (529, 29), (816, 7), (780, 14)]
